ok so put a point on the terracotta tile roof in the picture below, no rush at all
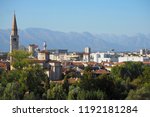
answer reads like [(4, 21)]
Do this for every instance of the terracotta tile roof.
[(147, 63), (73, 80), (36, 61), (119, 63), (107, 63), (101, 71), (4, 65), (42, 61), (77, 63)]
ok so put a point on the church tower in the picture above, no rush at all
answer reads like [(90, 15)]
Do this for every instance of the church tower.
[(14, 38)]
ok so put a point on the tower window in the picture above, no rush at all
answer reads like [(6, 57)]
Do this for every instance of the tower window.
[(14, 39)]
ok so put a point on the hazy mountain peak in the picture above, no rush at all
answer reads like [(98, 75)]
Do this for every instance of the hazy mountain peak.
[(74, 41)]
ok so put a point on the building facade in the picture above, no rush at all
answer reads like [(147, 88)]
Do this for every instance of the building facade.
[(133, 58), (86, 54), (103, 57)]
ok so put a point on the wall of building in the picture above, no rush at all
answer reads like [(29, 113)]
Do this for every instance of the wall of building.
[(55, 71), (103, 57), (133, 58)]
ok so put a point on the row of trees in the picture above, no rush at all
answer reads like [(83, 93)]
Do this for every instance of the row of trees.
[(29, 81)]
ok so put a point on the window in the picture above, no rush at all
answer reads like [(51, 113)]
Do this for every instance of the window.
[(14, 39)]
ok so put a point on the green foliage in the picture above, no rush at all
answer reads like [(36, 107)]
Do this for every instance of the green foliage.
[(56, 93), (11, 91), (29, 96), (20, 59), (129, 70), (66, 85), (26, 81), (2, 88), (35, 79), (104, 83), (146, 73), (91, 95), (73, 92), (142, 93)]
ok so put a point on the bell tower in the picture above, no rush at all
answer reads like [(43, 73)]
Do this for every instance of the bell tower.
[(14, 38)]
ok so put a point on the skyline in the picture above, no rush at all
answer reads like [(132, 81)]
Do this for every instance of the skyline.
[(98, 16)]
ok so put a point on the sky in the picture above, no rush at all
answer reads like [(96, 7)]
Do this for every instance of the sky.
[(95, 16)]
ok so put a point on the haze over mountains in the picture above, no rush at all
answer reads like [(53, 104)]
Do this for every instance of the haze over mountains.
[(74, 41)]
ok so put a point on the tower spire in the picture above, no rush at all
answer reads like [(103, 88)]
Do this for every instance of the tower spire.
[(14, 30)]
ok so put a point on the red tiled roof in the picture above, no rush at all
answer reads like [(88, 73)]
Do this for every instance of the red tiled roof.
[(73, 80), (77, 63), (119, 63), (101, 71), (147, 63), (42, 61), (36, 61), (3, 65)]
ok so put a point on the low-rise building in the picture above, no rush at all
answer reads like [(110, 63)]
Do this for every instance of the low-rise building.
[(53, 69), (104, 57), (133, 58)]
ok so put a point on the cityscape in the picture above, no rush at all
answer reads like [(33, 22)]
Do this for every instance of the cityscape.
[(38, 72)]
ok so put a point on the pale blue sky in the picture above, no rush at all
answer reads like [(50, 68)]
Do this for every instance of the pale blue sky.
[(95, 16)]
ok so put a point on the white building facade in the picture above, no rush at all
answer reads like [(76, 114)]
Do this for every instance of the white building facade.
[(103, 57), (133, 58)]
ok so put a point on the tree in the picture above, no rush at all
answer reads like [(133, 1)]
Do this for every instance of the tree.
[(20, 59), (129, 70), (56, 93), (106, 84), (26, 78), (66, 85), (29, 96), (1, 91), (91, 95), (11, 91), (142, 93), (73, 92), (36, 80), (146, 73)]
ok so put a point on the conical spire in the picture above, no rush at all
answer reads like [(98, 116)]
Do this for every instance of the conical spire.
[(14, 26)]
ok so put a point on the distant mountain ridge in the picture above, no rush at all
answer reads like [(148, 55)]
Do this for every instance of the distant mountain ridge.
[(74, 41)]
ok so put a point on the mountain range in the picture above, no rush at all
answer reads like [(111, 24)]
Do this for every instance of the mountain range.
[(74, 41)]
